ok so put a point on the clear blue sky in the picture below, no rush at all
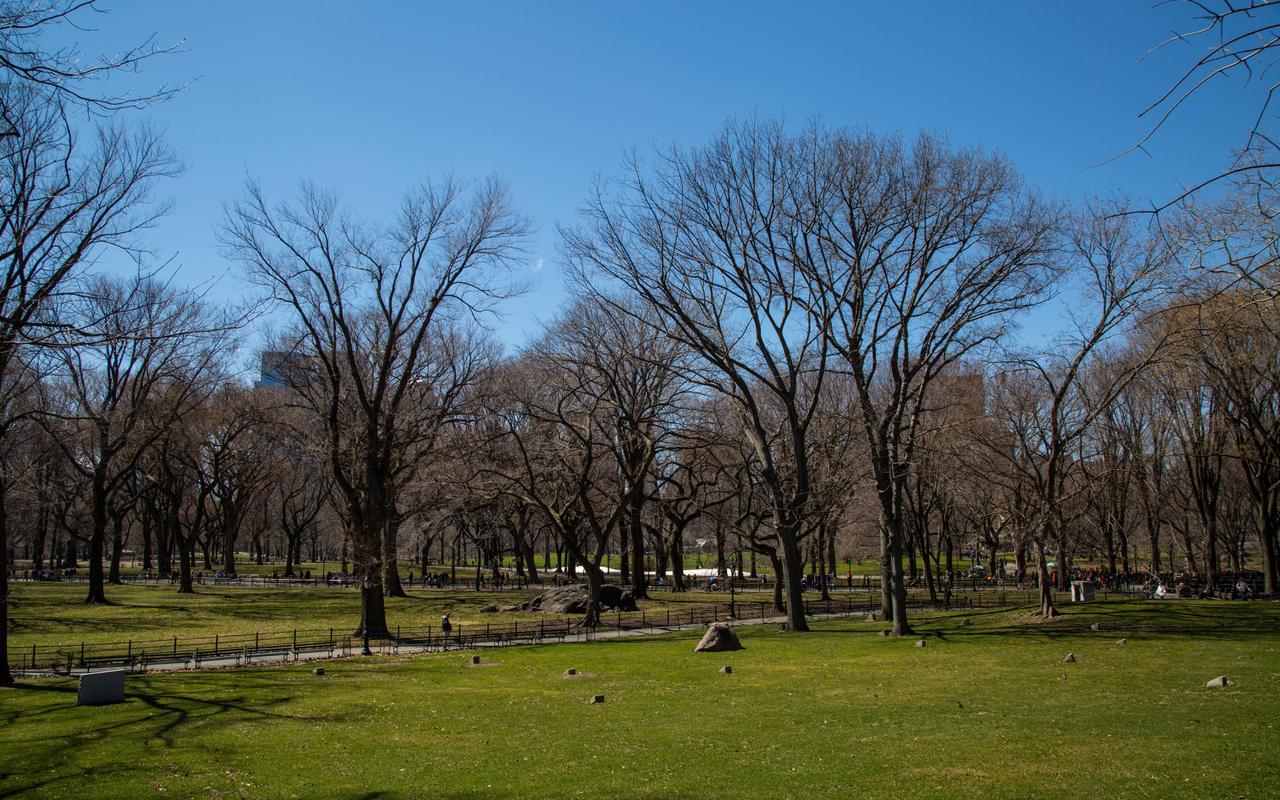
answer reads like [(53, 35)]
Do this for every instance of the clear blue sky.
[(372, 98)]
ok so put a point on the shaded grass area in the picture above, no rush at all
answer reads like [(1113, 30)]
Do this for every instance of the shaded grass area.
[(50, 613), (987, 709), (53, 614)]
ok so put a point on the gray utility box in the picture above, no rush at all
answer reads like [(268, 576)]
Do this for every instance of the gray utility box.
[(1081, 591), (101, 688)]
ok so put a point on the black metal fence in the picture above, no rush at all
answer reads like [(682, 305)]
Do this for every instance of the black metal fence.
[(241, 649)]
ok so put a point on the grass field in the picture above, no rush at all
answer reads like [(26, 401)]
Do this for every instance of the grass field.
[(985, 710)]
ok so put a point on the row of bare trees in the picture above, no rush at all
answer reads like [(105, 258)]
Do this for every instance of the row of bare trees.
[(791, 341)]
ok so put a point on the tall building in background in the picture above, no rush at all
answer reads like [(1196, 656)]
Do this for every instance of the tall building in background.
[(278, 369)]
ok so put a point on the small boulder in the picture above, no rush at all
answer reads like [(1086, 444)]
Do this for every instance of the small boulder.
[(718, 638), (884, 634), (570, 672), (966, 621), (1097, 626), (475, 660), (873, 616), (596, 700), (920, 643), (1220, 681), (1122, 641), (727, 669), (492, 608), (1070, 659), (318, 671)]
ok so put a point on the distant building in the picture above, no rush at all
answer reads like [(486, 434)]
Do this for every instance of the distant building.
[(279, 369)]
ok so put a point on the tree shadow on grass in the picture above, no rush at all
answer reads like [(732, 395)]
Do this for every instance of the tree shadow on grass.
[(1207, 620), (147, 717)]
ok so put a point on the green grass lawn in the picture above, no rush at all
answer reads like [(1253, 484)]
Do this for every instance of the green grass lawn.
[(985, 710)]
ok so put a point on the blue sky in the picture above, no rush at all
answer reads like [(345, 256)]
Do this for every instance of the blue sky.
[(370, 99)]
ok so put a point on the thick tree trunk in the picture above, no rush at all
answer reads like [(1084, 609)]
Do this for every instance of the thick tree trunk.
[(373, 609), (792, 565), (391, 564), (97, 542), (595, 578), (901, 627)]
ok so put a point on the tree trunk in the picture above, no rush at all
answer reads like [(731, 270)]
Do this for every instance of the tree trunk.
[(639, 580), (6, 677), (186, 557), (97, 542), (391, 563), (900, 625), (677, 560), (886, 575), (777, 582), (373, 610), (1046, 587), (791, 567), (595, 578), (291, 542), (117, 548)]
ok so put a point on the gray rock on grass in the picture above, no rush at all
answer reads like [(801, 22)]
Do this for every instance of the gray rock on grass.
[(718, 638)]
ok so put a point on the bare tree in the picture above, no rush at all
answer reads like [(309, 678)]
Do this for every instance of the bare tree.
[(150, 359), (713, 244), (926, 256), (1120, 271), (375, 350), (62, 203)]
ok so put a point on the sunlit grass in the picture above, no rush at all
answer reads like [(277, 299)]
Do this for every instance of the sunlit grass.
[(984, 710)]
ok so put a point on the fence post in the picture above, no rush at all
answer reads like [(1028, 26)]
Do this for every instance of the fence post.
[(215, 644), (33, 656), (82, 655), (257, 639), (175, 647), (130, 652)]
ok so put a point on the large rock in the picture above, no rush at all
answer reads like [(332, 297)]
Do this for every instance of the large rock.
[(718, 638), (573, 599), (614, 597)]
